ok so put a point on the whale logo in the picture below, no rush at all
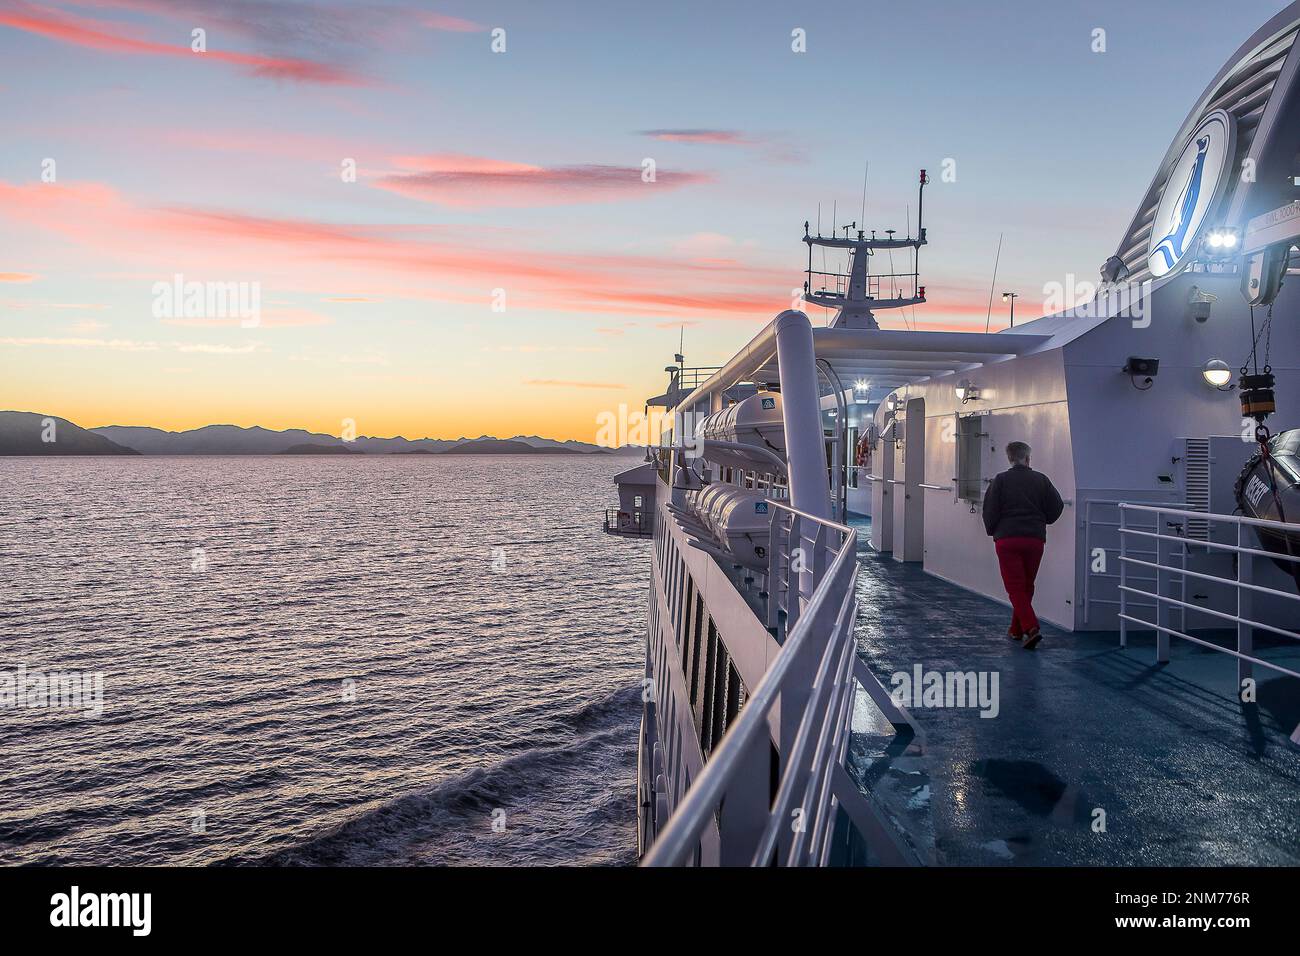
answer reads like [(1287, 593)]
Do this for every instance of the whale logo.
[(1190, 191)]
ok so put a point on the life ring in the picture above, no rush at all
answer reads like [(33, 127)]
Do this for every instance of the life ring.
[(864, 452)]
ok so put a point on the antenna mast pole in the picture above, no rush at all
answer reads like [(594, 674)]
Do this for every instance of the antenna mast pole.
[(807, 279), (920, 227)]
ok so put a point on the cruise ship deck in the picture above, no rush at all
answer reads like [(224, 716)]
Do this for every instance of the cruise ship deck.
[(1185, 774)]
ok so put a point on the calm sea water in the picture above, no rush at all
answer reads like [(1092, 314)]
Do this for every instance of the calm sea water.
[(370, 661)]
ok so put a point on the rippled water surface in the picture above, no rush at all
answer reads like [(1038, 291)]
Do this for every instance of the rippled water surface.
[(357, 676)]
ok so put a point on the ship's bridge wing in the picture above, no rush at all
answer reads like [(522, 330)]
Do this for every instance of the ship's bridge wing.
[(884, 357)]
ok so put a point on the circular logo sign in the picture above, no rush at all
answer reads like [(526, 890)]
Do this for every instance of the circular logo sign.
[(1190, 192)]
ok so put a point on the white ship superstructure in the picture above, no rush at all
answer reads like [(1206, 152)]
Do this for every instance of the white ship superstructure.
[(1181, 505)]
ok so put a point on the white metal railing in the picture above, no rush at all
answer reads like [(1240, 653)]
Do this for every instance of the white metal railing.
[(1092, 528), (1167, 575), (810, 684)]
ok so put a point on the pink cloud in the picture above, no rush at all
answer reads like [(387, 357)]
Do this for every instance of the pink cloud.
[(146, 244), (438, 21), (782, 150), (108, 37), (18, 277), (473, 181), (715, 137)]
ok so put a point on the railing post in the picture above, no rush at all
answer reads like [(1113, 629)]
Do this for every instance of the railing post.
[(1123, 578), (818, 568), (774, 570), (1087, 558), (796, 693), (1245, 633), (1163, 551), (793, 576)]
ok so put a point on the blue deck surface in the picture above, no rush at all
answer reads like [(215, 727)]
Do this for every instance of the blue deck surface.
[(1184, 773)]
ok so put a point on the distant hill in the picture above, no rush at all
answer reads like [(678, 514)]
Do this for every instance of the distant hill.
[(17, 429), (212, 440), (572, 445), (318, 450), (496, 446), (23, 433), (237, 440)]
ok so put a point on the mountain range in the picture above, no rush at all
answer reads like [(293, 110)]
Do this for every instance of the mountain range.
[(26, 433)]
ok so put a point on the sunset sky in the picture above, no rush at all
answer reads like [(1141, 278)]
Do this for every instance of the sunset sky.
[(522, 171)]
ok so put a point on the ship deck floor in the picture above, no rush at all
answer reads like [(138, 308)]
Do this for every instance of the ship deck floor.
[(1184, 773)]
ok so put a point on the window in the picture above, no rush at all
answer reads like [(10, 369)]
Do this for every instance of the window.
[(970, 446), (637, 501)]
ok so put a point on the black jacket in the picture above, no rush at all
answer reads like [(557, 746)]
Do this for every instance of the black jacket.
[(1021, 503)]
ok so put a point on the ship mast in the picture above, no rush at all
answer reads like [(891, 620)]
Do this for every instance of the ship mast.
[(856, 295)]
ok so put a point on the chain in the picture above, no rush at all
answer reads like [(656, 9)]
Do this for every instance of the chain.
[(1268, 339)]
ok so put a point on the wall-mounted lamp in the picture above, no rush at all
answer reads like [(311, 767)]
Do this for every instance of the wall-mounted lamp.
[(862, 385), (966, 392), (1217, 374), (1145, 367), (891, 403)]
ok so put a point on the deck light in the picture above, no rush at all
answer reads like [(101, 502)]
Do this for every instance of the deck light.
[(1221, 241), (1144, 367), (966, 392), (1217, 374), (1011, 297)]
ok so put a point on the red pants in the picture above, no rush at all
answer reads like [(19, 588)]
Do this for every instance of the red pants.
[(1018, 559)]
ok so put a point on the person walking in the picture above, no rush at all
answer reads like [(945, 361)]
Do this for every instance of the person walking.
[(1018, 507)]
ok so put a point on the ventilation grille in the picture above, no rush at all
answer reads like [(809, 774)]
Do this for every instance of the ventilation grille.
[(1243, 94), (1197, 481)]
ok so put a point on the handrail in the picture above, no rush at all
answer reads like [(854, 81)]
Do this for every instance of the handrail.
[(833, 525), (1210, 577), (1207, 515), (1242, 585), (638, 522), (1240, 549), (678, 841), (935, 487)]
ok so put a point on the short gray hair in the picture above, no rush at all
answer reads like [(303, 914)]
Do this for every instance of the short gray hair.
[(1018, 452)]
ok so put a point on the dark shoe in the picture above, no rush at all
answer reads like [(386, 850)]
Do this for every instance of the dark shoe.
[(1032, 638)]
